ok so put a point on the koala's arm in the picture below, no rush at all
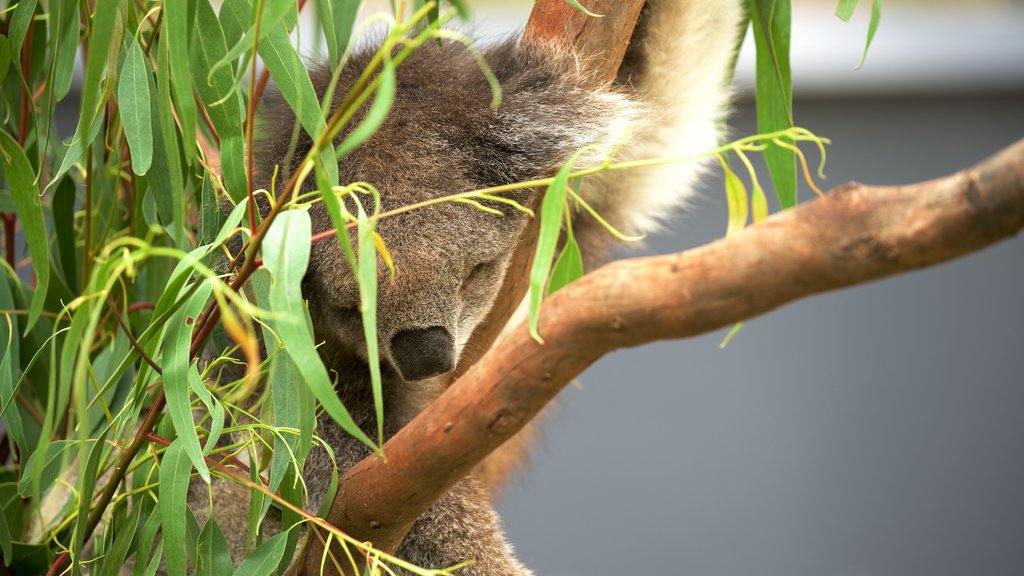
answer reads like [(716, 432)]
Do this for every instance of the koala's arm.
[(462, 526)]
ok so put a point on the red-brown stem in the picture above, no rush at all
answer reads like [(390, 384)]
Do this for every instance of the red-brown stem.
[(10, 220)]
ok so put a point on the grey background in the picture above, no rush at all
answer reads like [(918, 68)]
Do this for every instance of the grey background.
[(873, 431)]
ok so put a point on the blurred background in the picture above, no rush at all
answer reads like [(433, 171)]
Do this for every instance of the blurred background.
[(875, 431)]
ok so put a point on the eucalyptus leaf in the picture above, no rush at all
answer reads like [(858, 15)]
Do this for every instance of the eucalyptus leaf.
[(22, 180), (134, 100), (175, 470)]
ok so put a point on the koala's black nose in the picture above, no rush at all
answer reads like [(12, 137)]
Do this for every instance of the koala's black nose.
[(423, 353)]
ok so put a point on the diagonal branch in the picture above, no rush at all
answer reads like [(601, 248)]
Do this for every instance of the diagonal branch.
[(854, 235)]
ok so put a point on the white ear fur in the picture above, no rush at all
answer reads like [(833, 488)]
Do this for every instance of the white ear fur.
[(688, 48)]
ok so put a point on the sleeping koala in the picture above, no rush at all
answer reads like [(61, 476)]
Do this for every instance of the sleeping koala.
[(442, 137)]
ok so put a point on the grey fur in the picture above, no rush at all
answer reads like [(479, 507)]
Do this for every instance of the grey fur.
[(442, 137)]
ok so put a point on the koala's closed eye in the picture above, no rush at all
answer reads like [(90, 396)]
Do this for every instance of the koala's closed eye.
[(476, 274)]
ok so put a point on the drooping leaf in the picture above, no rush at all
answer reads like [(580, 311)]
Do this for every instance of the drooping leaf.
[(876, 17), (177, 364), (265, 558), (134, 100), (569, 265), (214, 558), (774, 89), (67, 27), (551, 210), (286, 254), (5, 57), (844, 11), (175, 40), (219, 93), (367, 277), (22, 180), (290, 75), (175, 469), (383, 99)]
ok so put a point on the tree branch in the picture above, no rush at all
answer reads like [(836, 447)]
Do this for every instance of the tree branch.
[(854, 235)]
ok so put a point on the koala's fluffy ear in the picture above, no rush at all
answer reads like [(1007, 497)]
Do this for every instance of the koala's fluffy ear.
[(549, 112)]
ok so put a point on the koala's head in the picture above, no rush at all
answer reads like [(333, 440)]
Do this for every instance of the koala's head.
[(442, 137)]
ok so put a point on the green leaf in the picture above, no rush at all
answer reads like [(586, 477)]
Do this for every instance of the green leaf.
[(219, 93), (166, 180), (844, 11), (144, 547), (174, 41), (86, 487), (272, 17), (214, 559), (113, 560), (569, 265), (383, 99), (337, 18), (876, 17), (5, 57), (106, 24), (177, 364), (20, 20), (175, 469), (774, 89), (22, 180), (286, 254), (265, 558), (367, 278), (68, 26), (290, 75), (5, 538), (551, 210), (134, 99), (64, 225), (9, 366)]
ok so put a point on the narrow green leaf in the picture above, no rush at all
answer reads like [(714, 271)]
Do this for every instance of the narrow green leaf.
[(368, 308), (144, 547), (68, 26), (175, 469), (134, 100), (551, 210), (286, 254), (575, 4), (86, 486), (167, 182), (113, 560), (569, 265), (20, 20), (107, 24), (774, 89), (383, 99), (64, 225), (5, 57), (290, 75), (344, 20), (5, 538), (44, 463), (174, 40), (265, 558), (22, 180), (275, 13), (219, 93), (876, 17), (214, 559), (176, 365), (10, 371), (844, 11)]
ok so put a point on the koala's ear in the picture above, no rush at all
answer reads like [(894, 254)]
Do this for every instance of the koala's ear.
[(549, 111)]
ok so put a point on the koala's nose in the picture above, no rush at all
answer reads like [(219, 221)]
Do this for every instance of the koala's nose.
[(423, 353)]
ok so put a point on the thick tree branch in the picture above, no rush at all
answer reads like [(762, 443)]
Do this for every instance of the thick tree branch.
[(854, 235)]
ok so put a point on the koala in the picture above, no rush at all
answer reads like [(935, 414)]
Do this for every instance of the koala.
[(442, 137)]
